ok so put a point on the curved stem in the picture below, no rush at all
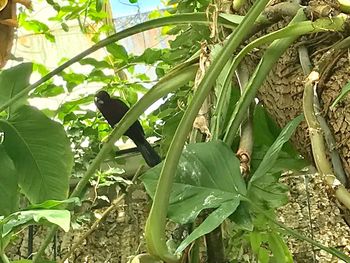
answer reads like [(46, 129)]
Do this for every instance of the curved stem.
[(155, 225), (175, 79), (270, 57), (198, 18)]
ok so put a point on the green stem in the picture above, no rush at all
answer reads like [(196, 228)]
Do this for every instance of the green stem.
[(175, 79), (269, 59), (155, 225), (198, 18), (4, 258)]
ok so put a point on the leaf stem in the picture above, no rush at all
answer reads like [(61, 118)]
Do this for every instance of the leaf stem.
[(155, 225), (175, 79)]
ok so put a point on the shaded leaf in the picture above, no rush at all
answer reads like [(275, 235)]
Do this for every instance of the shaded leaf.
[(41, 153), (99, 5), (9, 191), (242, 218), (211, 222), (273, 152)]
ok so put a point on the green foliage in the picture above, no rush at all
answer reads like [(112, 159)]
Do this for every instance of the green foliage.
[(19, 219), (36, 155), (40, 152), (208, 175), (9, 190), (11, 84)]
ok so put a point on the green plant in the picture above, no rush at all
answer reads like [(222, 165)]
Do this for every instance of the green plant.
[(205, 177)]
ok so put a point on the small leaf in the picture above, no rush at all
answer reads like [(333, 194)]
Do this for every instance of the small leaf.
[(149, 56), (99, 5), (345, 90), (96, 63), (118, 52), (133, 1), (65, 27)]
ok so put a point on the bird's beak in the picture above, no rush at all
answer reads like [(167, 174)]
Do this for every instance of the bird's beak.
[(98, 101)]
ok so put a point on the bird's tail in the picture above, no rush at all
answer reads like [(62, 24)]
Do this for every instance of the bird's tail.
[(149, 154)]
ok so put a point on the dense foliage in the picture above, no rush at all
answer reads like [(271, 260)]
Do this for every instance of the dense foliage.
[(41, 150)]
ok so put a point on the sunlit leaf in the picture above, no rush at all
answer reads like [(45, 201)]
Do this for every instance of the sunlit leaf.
[(60, 218), (11, 84)]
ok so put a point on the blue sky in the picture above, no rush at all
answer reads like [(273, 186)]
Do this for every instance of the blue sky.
[(124, 7)]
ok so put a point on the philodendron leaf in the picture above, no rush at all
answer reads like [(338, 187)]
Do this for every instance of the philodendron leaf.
[(208, 175), (264, 185), (9, 191), (211, 222), (41, 153), (14, 80), (272, 154), (60, 218)]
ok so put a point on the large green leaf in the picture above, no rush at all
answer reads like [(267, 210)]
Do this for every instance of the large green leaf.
[(208, 175), (19, 219), (41, 153), (12, 81), (9, 192)]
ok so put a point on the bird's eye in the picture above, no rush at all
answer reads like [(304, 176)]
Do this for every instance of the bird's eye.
[(99, 101)]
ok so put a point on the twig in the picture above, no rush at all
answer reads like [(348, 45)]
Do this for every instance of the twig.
[(104, 215)]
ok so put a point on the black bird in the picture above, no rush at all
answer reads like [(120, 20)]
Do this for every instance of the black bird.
[(113, 110)]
